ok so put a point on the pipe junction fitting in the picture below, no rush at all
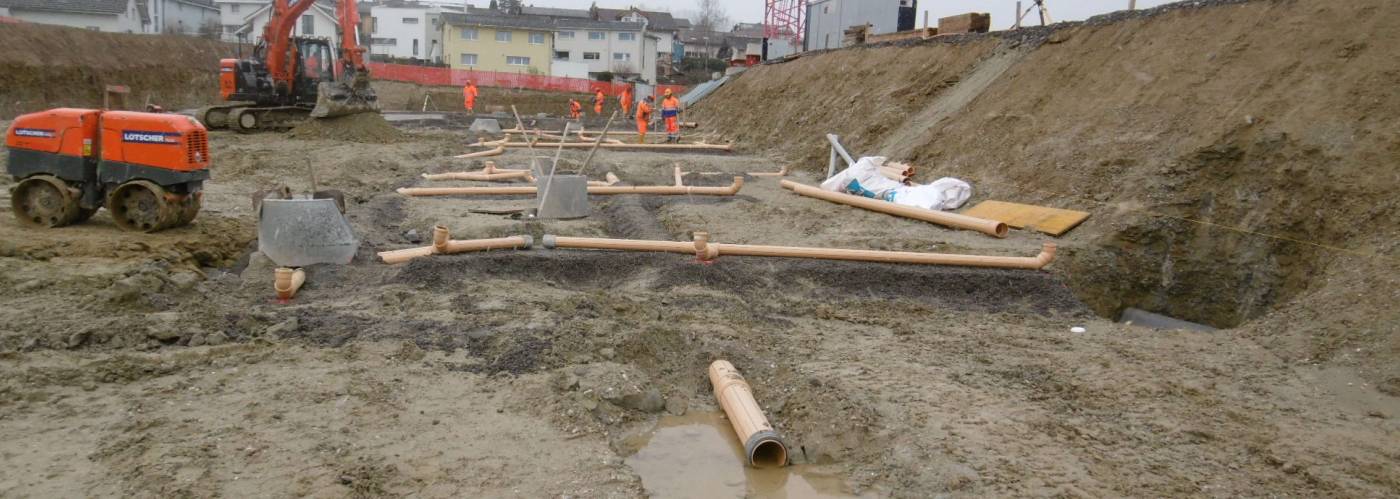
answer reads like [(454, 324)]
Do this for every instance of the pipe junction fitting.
[(443, 244), (287, 282)]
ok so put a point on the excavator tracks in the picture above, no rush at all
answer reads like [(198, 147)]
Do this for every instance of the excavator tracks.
[(249, 119)]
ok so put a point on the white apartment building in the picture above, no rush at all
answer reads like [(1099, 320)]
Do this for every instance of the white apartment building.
[(409, 30), (622, 48), (185, 17), (232, 14), (319, 20)]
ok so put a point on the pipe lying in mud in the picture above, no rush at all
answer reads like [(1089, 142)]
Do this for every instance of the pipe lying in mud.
[(954, 220), (287, 282), (578, 145), (705, 250), (499, 150), (668, 190), (762, 445), (444, 245), (487, 173)]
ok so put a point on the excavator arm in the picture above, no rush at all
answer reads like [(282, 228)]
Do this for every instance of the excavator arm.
[(351, 92), (277, 40)]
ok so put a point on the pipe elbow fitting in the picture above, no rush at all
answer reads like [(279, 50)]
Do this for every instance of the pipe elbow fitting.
[(440, 238)]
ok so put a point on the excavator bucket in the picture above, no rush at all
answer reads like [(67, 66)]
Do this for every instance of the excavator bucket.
[(335, 99)]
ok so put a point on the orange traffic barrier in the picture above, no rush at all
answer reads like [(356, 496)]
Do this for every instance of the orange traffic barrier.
[(444, 245), (705, 250), (762, 445), (954, 220), (287, 282)]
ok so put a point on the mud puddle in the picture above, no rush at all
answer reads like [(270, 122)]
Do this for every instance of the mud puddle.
[(698, 455)]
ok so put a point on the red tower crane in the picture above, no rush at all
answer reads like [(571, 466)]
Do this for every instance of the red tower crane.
[(786, 20)]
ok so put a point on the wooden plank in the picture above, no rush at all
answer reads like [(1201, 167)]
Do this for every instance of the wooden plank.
[(1053, 221)]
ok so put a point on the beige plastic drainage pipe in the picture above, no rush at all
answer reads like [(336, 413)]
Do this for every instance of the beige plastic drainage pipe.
[(287, 282), (444, 245), (499, 150), (673, 190), (578, 145), (487, 173), (705, 250), (762, 445), (954, 220), (1047, 255)]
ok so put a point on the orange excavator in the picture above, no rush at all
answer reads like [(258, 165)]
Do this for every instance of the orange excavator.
[(289, 78)]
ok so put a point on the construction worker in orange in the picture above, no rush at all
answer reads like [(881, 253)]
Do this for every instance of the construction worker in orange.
[(671, 112), (469, 94), (626, 101), (643, 119), (575, 109), (598, 100)]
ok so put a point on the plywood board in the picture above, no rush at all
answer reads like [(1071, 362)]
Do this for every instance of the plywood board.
[(1053, 221)]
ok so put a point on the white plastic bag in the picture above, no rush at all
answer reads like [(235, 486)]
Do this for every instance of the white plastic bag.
[(946, 193), (864, 179)]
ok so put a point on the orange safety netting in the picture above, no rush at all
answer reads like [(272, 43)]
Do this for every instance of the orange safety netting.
[(424, 75)]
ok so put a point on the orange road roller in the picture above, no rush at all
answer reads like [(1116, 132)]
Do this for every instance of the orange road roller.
[(147, 169)]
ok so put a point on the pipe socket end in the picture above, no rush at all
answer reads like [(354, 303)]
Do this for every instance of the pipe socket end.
[(529, 242), (766, 450), (549, 241)]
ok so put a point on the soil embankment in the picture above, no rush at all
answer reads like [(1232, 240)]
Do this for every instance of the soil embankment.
[(1238, 156), (50, 66)]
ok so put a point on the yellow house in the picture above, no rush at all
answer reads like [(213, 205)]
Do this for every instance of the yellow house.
[(486, 41)]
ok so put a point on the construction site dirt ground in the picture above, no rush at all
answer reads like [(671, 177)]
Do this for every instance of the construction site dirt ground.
[(162, 365)]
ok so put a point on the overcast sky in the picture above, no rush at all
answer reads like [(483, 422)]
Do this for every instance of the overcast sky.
[(1003, 11)]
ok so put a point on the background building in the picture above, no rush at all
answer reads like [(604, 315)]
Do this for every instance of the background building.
[(319, 20), (827, 20), (183, 17), (120, 16), (487, 40), (614, 47), (232, 14)]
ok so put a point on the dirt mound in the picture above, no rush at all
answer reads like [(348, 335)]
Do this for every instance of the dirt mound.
[(367, 128), (48, 66), (1224, 162)]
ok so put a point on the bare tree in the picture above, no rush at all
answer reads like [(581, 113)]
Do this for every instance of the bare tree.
[(709, 15), (509, 6)]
